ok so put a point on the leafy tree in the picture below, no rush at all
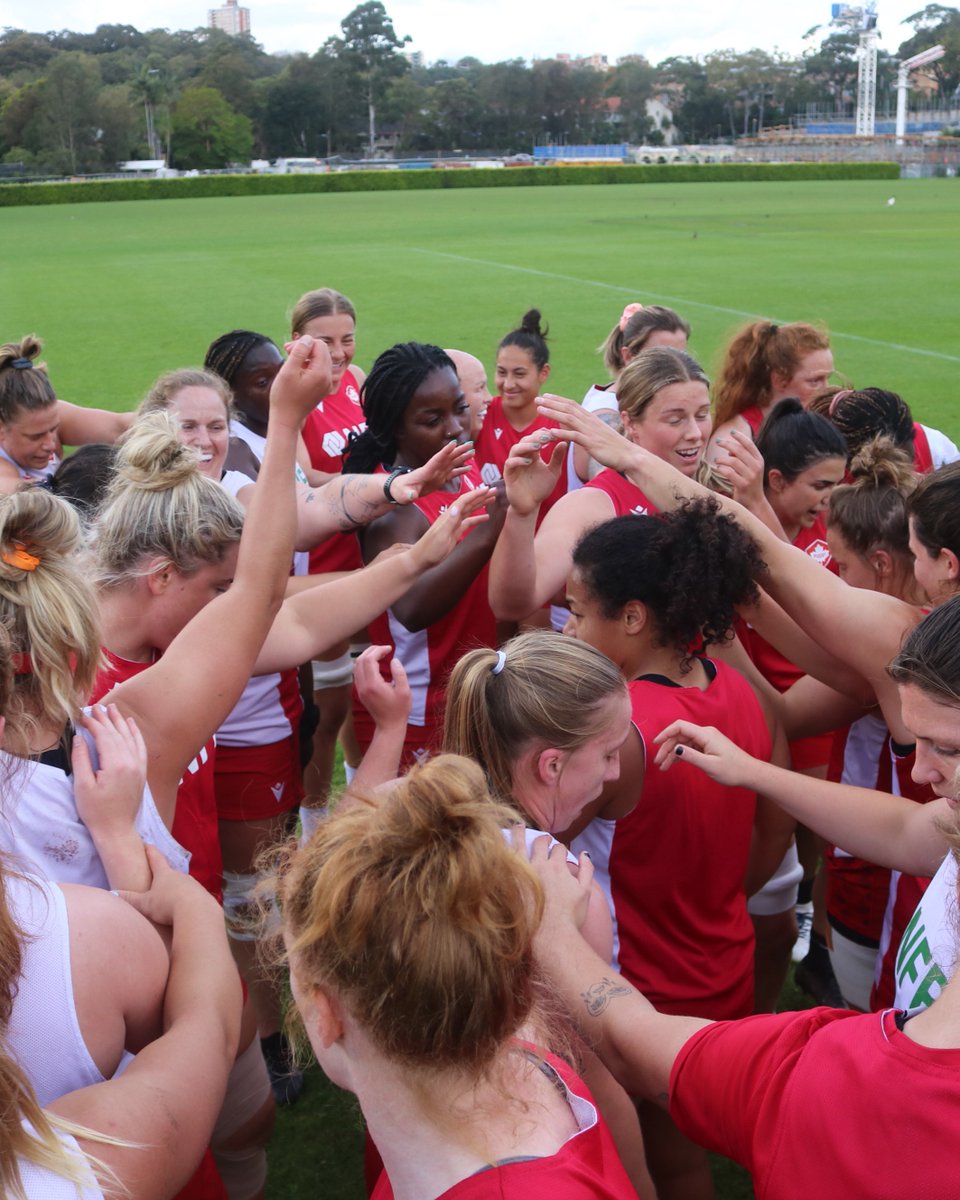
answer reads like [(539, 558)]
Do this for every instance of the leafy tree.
[(369, 48), (207, 133), (70, 107), (631, 82)]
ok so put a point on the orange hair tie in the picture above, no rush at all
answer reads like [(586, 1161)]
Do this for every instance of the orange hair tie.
[(20, 557)]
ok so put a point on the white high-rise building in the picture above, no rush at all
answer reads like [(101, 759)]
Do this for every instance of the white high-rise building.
[(230, 18)]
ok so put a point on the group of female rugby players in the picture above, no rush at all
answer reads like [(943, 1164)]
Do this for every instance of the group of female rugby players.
[(615, 683)]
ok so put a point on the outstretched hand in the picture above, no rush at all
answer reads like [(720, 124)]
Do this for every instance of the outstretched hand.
[(449, 463), (169, 893), (741, 464), (109, 798), (602, 442), (305, 378), (529, 479), (706, 748)]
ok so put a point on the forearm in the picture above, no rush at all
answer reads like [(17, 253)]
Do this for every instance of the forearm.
[(884, 829), (439, 590), (513, 570), (266, 548), (123, 857), (315, 619), (636, 1043), (343, 503), (381, 762)]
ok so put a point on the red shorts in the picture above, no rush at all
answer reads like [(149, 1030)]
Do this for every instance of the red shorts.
[(254, 783)]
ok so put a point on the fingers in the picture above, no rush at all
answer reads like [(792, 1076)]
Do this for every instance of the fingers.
[(472, 502), (398, 675)]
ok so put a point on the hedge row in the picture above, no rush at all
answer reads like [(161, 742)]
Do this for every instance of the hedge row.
[(425, 180)]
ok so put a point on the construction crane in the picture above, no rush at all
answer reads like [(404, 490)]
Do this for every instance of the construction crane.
[(864, 20)]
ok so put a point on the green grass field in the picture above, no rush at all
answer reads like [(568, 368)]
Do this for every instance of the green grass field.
[(124, 291)]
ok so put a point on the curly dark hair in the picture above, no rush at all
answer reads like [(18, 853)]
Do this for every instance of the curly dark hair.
[(691, 568)]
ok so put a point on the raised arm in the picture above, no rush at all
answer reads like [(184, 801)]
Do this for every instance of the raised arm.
[(442, 586), (885, 829), (530, 566), (182, 700), (313, 620), (348, 502), (862, 629)]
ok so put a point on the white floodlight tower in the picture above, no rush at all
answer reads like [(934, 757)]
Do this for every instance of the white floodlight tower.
[(863, 19), (903, 71)]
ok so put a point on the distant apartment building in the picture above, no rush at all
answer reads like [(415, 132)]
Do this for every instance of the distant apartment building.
[(230, 18)]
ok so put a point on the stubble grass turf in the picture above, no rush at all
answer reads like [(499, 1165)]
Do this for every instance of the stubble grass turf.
[(124, 291)]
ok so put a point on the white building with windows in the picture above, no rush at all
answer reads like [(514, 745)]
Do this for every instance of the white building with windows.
[(230, 18)]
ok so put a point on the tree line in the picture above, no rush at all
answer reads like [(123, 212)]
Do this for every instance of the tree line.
[(81, 103)]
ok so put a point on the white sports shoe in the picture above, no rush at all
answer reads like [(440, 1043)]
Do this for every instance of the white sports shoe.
[(801, 947)]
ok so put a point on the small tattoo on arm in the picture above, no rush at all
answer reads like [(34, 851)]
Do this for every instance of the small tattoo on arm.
[(598, 996)]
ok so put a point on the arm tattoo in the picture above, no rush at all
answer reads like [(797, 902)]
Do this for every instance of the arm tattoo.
[(598, 995), (351, 508)]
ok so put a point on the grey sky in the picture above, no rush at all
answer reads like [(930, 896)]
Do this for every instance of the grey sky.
[(493, 30)]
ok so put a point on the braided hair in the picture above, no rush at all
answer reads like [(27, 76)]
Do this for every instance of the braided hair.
[(226, 355), (386, 395), (863, 414)]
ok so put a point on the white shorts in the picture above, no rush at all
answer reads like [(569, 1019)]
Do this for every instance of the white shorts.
[(337, 672), (854, 966), (779, 893)]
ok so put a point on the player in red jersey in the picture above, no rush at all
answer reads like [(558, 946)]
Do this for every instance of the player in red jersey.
[(665, 407), (523, 367), (328, 315), (641, 327), (414, 407), (764, 363), (862, 414), (424, 1018), (676, 863)]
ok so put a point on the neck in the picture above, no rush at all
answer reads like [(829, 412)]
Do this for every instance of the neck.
[(938, 1027), (520, 416), (122, 614), (664, 660), (434, 1136), (253, 422)]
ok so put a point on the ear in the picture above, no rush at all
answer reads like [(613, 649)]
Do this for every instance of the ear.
[(951, 562), (882, 563), (775, 480), (159, 575), (548, 765), (779, 382), (327, 1018), (634, 617), (544, 372)]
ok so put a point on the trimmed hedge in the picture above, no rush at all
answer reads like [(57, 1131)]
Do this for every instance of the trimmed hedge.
[(79, 192)]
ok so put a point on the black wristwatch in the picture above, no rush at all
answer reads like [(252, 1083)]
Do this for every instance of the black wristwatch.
[(388, 482)]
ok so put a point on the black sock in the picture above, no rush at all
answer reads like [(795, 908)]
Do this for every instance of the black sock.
[(818, 956), (805, 891)]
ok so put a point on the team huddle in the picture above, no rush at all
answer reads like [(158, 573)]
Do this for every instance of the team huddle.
[(638, 698)]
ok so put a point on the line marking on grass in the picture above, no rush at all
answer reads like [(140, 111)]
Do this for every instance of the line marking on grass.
[(680, 302)]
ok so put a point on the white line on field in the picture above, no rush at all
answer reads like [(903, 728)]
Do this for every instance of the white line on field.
[(681, 302)]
